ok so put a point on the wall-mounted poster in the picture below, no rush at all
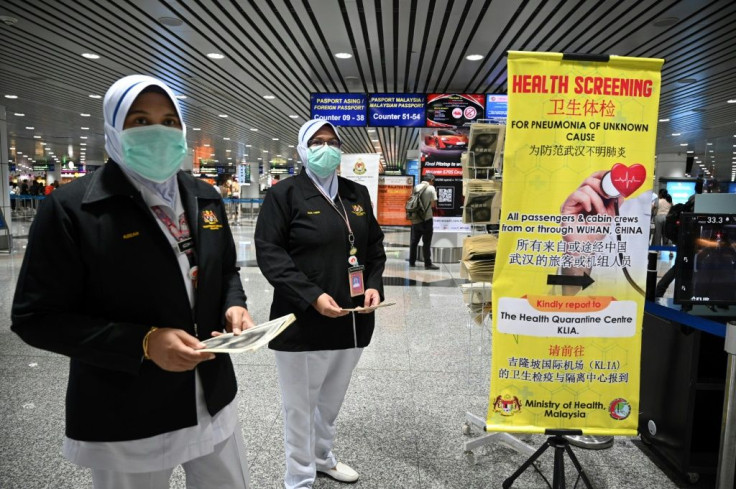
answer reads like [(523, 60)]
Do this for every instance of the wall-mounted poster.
[(454, 109)]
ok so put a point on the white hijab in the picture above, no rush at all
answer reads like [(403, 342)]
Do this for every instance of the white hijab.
[(308, 129), (118, 99)]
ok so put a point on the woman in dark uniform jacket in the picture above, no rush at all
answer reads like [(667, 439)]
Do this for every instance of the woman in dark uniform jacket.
[(320, 246), (124, 305)]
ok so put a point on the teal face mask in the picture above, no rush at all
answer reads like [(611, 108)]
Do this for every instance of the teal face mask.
[(323, 161), (154, 152)]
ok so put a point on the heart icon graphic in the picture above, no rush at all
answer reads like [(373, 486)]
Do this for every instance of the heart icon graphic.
[(627, 179)]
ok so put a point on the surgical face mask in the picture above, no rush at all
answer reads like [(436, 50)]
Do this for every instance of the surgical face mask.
[(154, 152), (323, 161)]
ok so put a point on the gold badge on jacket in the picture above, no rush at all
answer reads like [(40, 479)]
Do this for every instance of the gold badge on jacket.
[(358, 210), (210, 220)]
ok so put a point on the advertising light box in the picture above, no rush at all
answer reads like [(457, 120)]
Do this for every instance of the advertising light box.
[(454, 109), (396, 110), (497, 106), (341, 109)]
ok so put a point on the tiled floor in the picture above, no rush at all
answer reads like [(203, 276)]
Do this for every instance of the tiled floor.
[(400, 427)]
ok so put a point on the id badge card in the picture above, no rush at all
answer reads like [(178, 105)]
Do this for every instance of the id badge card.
[(355, 278)]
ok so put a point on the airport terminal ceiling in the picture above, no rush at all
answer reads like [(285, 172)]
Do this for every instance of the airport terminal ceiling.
[(250, 103)]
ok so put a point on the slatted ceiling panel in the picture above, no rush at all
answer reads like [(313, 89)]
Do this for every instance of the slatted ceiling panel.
[(286, 48)]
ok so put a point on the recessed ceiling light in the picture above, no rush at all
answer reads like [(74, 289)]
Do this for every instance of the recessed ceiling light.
[(222, 115), (265, 151), (215, 55), (664, 120), (30, 128), (371, 130), (675, 133), (84, 128), (170, 21), (11, 96), (732, 101), (691, 151), (226, 139), (293, 116), (343, 55), (474, 57), (228, 151), (375, 140), (195, 129), (84, 115), (91, 55), (291, 145), (253, 129), (206, 145), (665, 22), (181, 97), (12, 148), (36, 137), (269, 97), (275, 139), (82, 137), (92, 95), (43, 144), (83, 144), (248, 145)]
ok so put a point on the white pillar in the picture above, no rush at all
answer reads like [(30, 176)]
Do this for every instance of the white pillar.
[(5, 169)]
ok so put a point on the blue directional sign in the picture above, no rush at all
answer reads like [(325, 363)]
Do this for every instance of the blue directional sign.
[(396, 109), (341, 109)]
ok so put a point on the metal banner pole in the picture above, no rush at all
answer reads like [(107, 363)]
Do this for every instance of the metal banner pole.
[(727, 452)]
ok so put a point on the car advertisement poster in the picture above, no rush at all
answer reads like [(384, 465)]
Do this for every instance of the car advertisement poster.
[(454, 109), (341, 109), (396, 109), (393, 192), (363, 169), (440, 151), (570, 270)]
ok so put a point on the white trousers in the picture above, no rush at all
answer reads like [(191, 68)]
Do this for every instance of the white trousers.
[(313, 386), (225, 468)]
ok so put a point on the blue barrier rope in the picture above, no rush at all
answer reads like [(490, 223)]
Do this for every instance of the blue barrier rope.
[(696, 322), (27, 197), (663, 248)]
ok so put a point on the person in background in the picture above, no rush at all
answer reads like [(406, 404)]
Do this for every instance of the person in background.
[(48, 189), (424, 229), (663, 207), (319, 245), (150, 250)]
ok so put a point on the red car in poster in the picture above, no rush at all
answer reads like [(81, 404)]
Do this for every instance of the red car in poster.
[(446, 139)]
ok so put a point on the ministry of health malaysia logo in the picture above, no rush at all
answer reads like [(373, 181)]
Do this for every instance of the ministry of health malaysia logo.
[(507, 405), (619, 409)]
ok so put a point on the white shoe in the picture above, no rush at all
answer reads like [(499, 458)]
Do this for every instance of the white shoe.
[(341, 473)]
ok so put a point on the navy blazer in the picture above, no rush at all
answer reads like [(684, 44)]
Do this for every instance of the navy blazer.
[(302, 249), (98, 272)]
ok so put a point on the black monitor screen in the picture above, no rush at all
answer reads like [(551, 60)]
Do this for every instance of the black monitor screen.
[(706, 260)]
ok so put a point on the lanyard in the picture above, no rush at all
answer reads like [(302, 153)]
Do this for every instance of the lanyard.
[(344, 217), (185, 243)]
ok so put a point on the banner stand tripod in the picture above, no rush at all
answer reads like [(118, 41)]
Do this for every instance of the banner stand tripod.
[(561, 445)]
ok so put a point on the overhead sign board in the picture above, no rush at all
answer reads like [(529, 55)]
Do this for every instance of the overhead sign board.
[(497, 106), (341, 109), (396, 109)]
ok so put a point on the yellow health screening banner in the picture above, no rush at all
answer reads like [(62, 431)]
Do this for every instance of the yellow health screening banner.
[(568, 298)]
